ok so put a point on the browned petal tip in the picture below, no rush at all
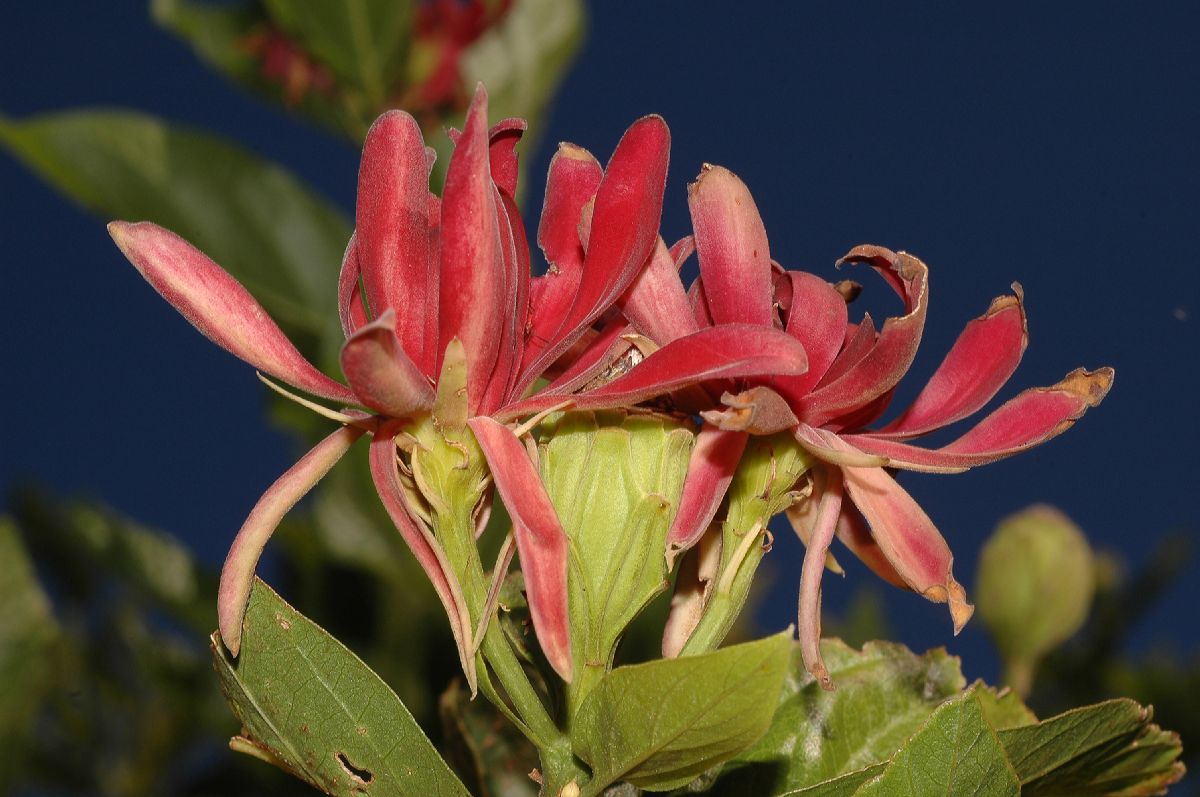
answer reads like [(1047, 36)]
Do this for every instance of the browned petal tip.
[(866, 252), (953, 593), (1091, 386), (849, 289), (575, 152), (1002, 303), (905, 265)]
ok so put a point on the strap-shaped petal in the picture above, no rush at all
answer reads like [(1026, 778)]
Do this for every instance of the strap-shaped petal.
[(1031, 418), (237, 575), (625, 219), (541, 542), (424, 546), (603, 353), (571, 183), (657, 302), (515, 291), (711, 466), (217, 305), (472, 304), (817, 317), (811, 572), (976, 367), (391, 228), (859, 340), (731, 243), (351, 309), (906, 536), (381, 374), (854, 533), (502, 153), (887, 361), (725, 352)]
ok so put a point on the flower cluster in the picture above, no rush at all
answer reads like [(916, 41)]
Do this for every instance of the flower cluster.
[(463, 368)]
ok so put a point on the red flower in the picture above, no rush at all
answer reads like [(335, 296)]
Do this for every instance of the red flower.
[(442, 320), (853, 369)]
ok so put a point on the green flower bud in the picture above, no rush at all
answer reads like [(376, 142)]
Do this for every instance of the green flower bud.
[(1034, 587)]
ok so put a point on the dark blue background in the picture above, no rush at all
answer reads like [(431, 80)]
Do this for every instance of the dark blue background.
[(1052, 144)]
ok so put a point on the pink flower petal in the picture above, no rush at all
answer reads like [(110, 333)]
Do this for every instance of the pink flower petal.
[(724, 352), (351, 310), (811, 572), (693, 587), (391, 231), (853, 532), (514, 293), (571, 183), (472, 303), (628, 207), (881, 369), (237, 575), (977, 366), (541, 542), (710, 469), (828, 447), (1029, 419), (906, 536), (682, 249), (424, 546), (817, 318), (602, 353), (731, 242), (860, 338), (502, 153), (381, 374), (656, 302), (217, 305)]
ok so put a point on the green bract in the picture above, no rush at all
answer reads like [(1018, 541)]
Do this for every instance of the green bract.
[(614, 479)]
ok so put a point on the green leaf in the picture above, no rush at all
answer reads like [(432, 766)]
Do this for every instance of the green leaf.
[(309, 705), (1110, 748), (27, 632), (84, 540), (842, 786), (253, 218), (662, 723), (884, 692), (362, 41), (956, 753), (1002, 708)]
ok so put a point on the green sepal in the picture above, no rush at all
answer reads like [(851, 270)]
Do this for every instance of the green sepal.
[(763, 485)]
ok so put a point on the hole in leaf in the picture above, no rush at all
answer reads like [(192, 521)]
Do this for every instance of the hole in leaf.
[(358, 774)]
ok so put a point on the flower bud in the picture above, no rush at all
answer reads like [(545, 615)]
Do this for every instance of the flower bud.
[(1034, 587)]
